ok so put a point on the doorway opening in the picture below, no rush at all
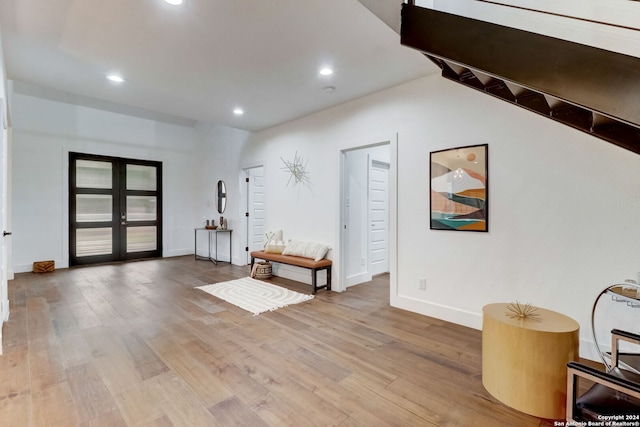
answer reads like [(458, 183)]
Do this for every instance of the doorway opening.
[(115, 209), (255, 212), (365, 231)]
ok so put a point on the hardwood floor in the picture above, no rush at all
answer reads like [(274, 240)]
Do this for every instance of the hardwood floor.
[(136, 345)]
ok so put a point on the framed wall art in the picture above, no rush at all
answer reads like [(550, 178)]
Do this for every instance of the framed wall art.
[(459, 188)]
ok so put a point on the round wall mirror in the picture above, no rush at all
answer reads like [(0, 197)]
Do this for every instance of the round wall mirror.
[(222, 196)]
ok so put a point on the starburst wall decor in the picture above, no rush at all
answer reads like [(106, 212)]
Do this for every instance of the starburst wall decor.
[(297, 170)]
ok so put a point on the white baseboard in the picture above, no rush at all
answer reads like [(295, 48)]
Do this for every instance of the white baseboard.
[(20, 268), (438, 311), (5, 311), (356, 279), (28, 268), (177, 252), (472, 320)]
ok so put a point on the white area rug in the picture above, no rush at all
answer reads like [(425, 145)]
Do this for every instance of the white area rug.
[(254, 295)]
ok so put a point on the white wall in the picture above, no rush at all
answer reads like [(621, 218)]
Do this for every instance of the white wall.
[(44, 134), (562, 204), (222, 158), (312, 213)]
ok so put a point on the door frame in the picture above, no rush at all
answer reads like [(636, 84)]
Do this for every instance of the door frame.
[(119, 200), (392, 142)]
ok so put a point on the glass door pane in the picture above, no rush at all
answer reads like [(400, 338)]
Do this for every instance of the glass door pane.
[(93, 241), (142, 208), (93, 174), (141, 177), (141, 239), (94, 207)]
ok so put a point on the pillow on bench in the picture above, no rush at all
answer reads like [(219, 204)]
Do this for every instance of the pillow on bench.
[(315, 251), (276, 248), (274, 243)]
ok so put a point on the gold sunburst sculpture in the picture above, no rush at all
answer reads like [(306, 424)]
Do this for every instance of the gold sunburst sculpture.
[(517, 310), (298, 170)]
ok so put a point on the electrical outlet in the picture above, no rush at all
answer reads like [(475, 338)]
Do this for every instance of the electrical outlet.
[(422, 284), (363, 262)]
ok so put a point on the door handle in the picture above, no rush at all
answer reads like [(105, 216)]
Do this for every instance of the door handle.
[(123, 223), (6, 233)]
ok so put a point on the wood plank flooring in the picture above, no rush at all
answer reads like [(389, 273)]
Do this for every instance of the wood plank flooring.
[(136, 345)]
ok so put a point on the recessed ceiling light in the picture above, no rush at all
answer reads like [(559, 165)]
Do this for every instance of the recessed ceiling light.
[(326, 71), (238, 111), (115, 78), (174, 2)]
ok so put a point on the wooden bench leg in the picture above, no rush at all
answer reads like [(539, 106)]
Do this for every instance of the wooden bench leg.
[(314, 281)]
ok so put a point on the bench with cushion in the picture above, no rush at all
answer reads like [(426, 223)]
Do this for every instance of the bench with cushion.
[(313, 265)]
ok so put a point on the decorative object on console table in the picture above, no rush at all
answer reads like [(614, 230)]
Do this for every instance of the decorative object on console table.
[(524, 360), (459, 189)]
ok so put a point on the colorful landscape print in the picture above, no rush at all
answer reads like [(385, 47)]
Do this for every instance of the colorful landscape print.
[(459, 189)]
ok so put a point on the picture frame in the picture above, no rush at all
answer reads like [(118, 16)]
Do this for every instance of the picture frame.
[(459, 188)]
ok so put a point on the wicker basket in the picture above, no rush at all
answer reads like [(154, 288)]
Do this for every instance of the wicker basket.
[(263, 271)]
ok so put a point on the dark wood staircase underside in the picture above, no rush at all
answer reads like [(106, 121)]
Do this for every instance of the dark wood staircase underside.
[(590, 89)]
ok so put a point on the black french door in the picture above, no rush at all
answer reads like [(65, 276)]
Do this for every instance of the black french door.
[(115, 209)]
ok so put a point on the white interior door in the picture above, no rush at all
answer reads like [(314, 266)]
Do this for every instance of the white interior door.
[(4, 243), (255, 209), (378, 217)]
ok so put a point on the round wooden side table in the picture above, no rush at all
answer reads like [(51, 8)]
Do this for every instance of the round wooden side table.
[(524, 361)]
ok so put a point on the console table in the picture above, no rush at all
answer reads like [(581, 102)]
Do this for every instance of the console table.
[(214, 259), (524, 361)]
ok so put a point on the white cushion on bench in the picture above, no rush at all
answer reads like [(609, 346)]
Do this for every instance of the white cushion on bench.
[(315, 251)]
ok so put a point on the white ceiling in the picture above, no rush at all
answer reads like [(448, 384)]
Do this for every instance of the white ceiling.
[(199, 61)]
